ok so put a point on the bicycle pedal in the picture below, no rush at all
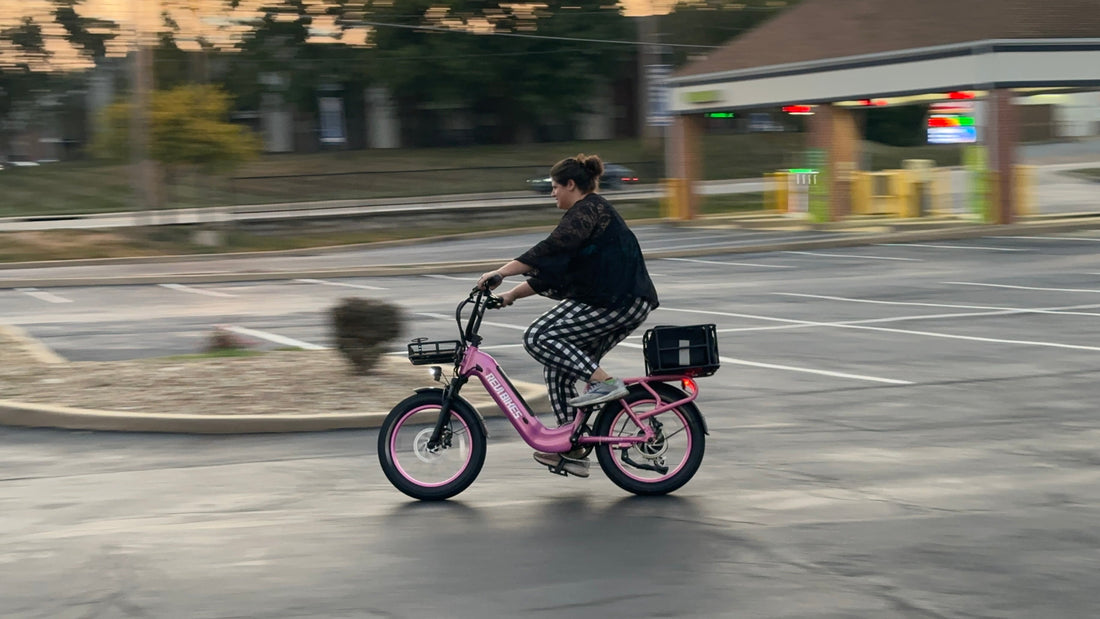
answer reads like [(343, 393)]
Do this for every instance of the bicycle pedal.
[(559, 469)]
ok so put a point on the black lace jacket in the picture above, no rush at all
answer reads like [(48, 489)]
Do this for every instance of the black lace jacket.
[(592, 256)]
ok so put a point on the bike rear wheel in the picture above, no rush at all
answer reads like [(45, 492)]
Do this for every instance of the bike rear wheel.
[(660, 465), (430, 474)]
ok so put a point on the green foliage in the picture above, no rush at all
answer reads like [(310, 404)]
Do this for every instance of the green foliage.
[(90, 35), (713, 22), (189, 127), (362, 327), (520, 82)]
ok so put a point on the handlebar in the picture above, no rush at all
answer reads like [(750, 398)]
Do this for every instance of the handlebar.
[(483, 299), (494, 281)]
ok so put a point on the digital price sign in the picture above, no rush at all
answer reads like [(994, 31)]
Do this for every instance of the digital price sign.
[(951, 129)]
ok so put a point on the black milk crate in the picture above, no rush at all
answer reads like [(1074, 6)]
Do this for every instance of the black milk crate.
[(691, 350), (424, 352)]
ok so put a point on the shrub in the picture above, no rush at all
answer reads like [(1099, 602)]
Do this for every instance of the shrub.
[(362, 327), (221, 339)]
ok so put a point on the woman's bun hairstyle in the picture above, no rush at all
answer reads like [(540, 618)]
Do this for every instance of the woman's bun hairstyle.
[(584, 170), (591, 164)]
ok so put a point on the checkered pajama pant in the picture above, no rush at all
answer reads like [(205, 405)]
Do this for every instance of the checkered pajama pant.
[(569, 341)]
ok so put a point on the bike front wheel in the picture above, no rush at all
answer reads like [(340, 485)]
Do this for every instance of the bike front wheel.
[(430, 473), (658, 466)]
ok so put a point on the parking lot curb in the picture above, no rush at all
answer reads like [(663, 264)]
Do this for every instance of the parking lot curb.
[(30, 415)]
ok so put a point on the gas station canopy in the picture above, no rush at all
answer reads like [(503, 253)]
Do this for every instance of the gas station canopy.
[(824, 51)]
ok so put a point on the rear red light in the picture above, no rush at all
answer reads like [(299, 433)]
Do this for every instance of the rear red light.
[(689, 386)]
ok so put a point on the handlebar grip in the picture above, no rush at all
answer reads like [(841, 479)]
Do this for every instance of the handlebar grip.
[(494, 281)]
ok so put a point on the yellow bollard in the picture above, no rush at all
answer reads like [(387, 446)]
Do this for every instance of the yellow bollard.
[(777, 195), (675, 204), (1025, 190), (668, 202)]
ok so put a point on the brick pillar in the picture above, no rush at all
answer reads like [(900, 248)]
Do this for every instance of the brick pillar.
[(1002, 139), (836, 131), (684, 161)]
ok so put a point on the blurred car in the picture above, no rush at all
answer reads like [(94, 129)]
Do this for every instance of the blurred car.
[(614, 176), (16, 161), (541, 184)]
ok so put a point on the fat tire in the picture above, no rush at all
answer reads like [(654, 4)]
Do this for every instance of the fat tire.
[(431, 493), (611, 469)]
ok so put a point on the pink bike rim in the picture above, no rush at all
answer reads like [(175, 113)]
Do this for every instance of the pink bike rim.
[(397, 464), (649, 480)]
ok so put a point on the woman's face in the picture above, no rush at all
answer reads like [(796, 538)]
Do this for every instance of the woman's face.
[(566, 195)]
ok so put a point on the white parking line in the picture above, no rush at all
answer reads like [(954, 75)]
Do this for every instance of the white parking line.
[(209, 293), (997, 309), (451, 277), (950, 246), (1020, 287), (42, 295), (739, 264), (791, 368), (272, 337), (1062, 311), (730, 360), (841, 325), (737, 241), (346, 285), (811, 253), (451, 318), (680, 239), (1052, 238)]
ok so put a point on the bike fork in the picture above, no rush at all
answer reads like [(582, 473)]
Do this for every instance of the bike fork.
[(449, 394)]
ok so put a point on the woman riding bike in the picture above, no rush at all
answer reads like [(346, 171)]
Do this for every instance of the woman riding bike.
[(592, 264)]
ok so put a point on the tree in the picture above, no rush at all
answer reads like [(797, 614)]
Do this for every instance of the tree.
[(18, 80), (189, 129), (26, 73), (521, 82), (88, 34), (714, 22)]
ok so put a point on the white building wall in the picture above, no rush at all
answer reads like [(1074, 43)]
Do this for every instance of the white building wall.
[(383, 125), (598, 123)]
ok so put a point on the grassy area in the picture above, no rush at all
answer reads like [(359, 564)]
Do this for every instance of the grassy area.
[(173, 240), (1090, 173), (91, 187)]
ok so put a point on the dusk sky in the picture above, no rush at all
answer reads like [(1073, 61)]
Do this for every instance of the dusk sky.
[(206, 19)]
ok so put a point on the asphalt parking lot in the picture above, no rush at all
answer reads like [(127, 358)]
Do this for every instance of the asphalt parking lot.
[(896, 431)]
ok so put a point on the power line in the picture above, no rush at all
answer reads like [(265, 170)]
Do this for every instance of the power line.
[(525, 36)]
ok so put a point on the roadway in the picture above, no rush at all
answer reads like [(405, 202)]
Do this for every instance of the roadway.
[(1055, 192), (897, 431)]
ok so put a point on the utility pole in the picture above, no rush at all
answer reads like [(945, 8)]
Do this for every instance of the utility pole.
[(141, 77), (646, 58)]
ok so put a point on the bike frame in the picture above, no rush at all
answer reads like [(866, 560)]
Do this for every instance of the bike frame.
[(478, 363)]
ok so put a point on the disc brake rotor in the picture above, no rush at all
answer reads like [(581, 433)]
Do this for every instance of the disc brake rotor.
[(420, 447)]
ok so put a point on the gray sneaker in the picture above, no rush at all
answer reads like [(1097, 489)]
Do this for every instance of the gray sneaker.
[(598, 393), (570, 462)]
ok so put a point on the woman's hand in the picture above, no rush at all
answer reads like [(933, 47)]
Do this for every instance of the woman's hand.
[(508, 298), (483, 281)]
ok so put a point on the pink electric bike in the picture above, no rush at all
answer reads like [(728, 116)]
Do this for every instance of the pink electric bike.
[(432, 444)]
